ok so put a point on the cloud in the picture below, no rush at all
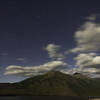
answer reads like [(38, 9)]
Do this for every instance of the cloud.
[(20, 59), (92, 17), (87, 37), (88, 63), (54, 51), (88, 59), (70, 71), (35, 70)]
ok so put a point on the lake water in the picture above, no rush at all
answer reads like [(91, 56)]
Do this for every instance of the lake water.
[(94, 98), (47, 98), (41, 97)]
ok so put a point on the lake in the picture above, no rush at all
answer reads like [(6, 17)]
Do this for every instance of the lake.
[(95, 98), (41, 97), (47, 98)]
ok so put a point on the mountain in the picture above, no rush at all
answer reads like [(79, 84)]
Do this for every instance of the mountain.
[(54, 83), (81, 76)]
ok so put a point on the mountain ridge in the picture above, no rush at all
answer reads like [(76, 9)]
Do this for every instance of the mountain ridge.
[(54, 83)]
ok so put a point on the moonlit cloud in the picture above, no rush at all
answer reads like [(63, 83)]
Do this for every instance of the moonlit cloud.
[(83, 59), (87, 37), (70, 71), (92, 17), (54, 51), (20, 59), (13, 67), (88, 63), (35, 70)]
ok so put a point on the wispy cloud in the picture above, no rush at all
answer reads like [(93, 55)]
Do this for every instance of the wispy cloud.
[(85, 60), (54, 51), (35, 70), (20, 59), (88, 63), (92, 17)]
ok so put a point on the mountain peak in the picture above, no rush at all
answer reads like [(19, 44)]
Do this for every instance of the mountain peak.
[(53, 72), (80, 75)]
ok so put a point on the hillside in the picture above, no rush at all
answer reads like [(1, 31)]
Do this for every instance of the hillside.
[(54, 83)]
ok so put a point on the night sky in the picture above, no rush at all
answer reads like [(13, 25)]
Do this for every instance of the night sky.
[(28, 26)]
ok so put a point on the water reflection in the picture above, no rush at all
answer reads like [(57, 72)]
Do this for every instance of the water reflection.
[(42, 97), (94, 99)]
